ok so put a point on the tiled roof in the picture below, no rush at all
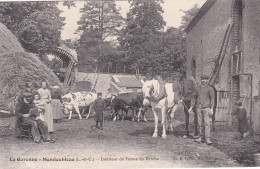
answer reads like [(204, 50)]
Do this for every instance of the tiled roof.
[(81, 86), (127, 81), (100, 81)]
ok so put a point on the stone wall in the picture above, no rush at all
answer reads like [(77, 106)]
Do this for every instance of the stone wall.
[(251, 28), (205, 38), (204, 42)]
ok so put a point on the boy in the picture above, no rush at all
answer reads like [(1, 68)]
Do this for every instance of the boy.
[(99, 106), (241, 114)]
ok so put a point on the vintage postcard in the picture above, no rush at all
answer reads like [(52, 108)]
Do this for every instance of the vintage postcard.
[(129, 84)]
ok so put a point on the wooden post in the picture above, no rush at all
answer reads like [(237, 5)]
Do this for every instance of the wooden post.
[(256, 117)]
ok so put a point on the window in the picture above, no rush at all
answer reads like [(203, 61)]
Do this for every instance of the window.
[(236, 63)]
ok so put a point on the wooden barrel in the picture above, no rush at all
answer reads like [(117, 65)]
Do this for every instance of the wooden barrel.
[(256, 119)]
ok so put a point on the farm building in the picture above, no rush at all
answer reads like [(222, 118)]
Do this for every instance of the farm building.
[(223, 41), (126, 83), (115, 82), (69, 59)]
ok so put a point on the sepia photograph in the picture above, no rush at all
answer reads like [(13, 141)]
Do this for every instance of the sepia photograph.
[(120, 84)]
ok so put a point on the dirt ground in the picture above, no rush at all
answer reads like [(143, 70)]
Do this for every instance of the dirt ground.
[(122, 144)]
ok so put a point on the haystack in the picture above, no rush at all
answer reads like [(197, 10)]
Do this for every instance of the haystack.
[(18, 67)]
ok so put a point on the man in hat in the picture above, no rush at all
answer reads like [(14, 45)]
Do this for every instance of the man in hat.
[(28, 88), (187, 93), (99, 106), (26, 112), (205, 99)]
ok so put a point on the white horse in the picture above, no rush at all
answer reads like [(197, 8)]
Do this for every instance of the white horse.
[(150, 90)]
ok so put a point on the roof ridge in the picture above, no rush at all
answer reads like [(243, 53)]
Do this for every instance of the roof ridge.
[(202, 11)]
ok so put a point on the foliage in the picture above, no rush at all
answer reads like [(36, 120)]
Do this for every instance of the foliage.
[(99, 23), (69, 4), (101, 15), (167, 55), (37, 25), (188, 15), (147, 46)]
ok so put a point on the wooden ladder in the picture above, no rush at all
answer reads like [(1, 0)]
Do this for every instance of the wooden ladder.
[(68, 74), (221, 55)]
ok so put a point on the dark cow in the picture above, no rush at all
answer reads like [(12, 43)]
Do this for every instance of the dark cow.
[(126, 101)]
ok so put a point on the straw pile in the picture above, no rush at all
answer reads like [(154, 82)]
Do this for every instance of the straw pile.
[(18, 67), (8, 42)]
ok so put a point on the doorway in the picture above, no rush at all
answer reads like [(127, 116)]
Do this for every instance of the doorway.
[(242, 91)]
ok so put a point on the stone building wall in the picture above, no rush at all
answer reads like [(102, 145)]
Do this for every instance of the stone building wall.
[(204, 42), (251, 33)]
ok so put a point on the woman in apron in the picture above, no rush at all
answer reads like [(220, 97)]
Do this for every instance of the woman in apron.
[(46, 99), (56, 104)]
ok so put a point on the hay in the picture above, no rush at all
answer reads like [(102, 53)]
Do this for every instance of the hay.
[(9, 43), (16, 69)]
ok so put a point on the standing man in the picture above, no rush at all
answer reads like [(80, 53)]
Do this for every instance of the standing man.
[(187, 93), (205, 104), (99, 107)]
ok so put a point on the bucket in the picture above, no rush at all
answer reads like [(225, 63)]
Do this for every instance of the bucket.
[(257, 159)]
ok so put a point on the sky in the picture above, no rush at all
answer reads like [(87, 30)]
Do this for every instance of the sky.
[(172, 14)]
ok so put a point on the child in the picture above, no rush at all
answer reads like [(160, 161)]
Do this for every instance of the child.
[(241, 114), (39, 104), (99, 106)]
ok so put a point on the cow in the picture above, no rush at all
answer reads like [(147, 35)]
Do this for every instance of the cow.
[(78, 100), (126, 101), (151, 89)]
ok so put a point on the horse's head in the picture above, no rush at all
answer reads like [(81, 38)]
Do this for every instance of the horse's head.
[(149, 90)]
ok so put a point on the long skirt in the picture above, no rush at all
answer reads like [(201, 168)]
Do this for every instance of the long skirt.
[(57, 109), (48, 116)]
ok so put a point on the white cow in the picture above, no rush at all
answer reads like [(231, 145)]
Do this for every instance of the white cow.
[(78, 99), (150, 91)]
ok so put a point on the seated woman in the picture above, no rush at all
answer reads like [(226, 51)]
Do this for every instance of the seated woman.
[(27, 113)]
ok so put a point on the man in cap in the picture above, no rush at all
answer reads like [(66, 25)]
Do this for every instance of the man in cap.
[(187, 93), (99, 106), (28, 88), (205, 99), (26, 111)]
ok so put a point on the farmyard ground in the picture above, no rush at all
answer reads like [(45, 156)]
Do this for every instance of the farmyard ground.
[(122, 144)]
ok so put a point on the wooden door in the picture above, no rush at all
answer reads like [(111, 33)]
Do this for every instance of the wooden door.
[(221, 115), (235, 95), (245, 95)]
